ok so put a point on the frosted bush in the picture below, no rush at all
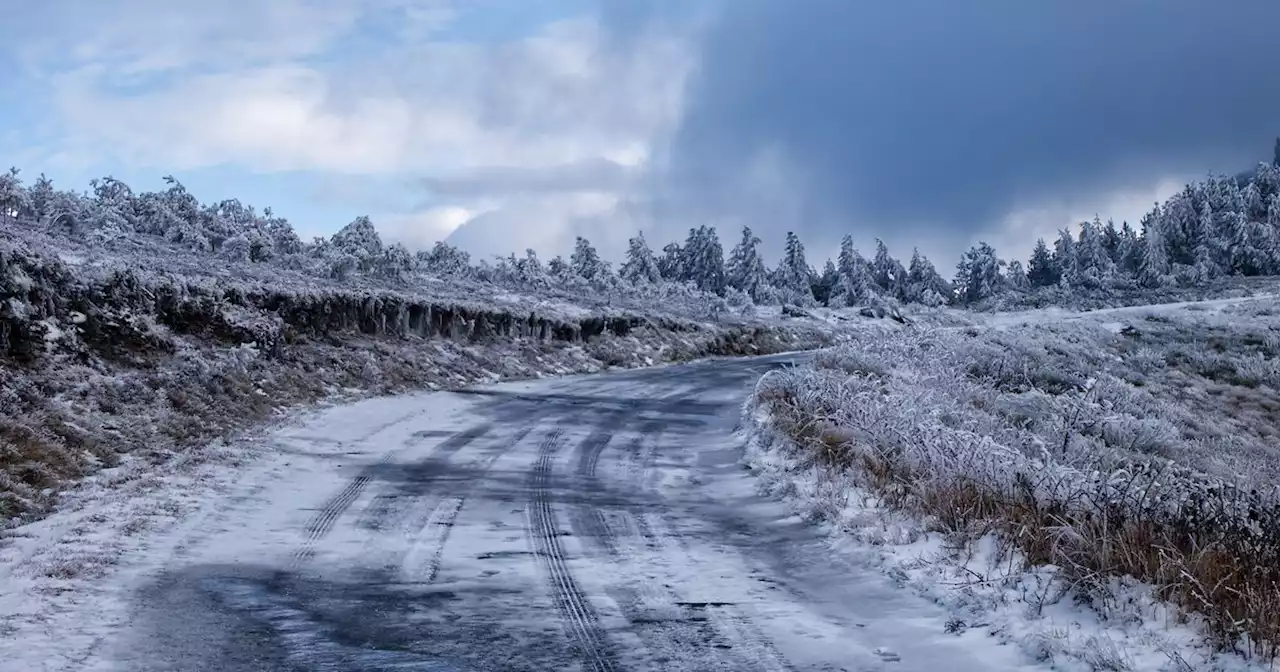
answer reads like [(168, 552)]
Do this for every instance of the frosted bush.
[(1037, 433)]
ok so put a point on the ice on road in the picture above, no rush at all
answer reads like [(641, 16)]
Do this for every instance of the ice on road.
[(599, 522)]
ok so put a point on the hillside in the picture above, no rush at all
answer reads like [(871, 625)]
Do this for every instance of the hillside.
[(1029, 467), (135, 348)]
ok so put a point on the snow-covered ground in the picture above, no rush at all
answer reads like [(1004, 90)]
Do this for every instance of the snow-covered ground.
[(598, 522)]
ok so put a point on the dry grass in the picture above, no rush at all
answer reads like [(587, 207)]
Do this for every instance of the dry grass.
[(999, 433)]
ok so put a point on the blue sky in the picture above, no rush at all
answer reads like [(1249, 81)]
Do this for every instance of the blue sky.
[(505, 124)]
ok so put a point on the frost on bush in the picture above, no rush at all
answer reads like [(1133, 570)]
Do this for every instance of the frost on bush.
[(236, 248), (1040, 434)]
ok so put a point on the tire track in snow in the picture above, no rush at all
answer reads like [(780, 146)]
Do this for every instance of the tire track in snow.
[(323, 522), (422, 563), (382, 511), (675, 630), (579, 617)]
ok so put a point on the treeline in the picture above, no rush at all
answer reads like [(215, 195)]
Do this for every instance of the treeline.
[(1222, 226)]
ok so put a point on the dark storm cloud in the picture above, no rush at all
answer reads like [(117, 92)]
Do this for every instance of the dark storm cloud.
[(915, 117)]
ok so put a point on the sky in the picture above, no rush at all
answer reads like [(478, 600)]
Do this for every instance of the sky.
[(504, 124)]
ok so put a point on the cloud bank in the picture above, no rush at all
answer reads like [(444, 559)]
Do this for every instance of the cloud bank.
[(932, 121)]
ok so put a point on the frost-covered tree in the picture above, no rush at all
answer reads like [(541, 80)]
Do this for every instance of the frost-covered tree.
[(825, 284), (360, 240), (857, 286), (558, 268), (746, 270), (1153, 267), (1015, 277), (283, 239), (43, 198), (885, 270), (924, 284), (395, 262), (1179, 222), (978, 275), (671, 263), (1092, 267), (792, 273), (1064, 256), (15, 201), (584, 261), (1042, 270), (640, 266), (236, 248), (445, 259), (1128, 251), (1111, 241), (703, 260)]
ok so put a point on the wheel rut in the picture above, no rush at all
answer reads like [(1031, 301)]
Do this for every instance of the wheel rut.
[(332, 510), (580, 619), (677, 632), (422, 563)]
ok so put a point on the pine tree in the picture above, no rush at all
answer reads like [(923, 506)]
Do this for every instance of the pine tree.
[(825, 284), (702, 259), (1129, 251), (529, 269), (671, 264), (1016, 278), (640, 266), (1204, 255), (923, 282), (978, 275), (1064, 257), (746, 271), (857, 286), (885, 269), (1179, 223), (1042, 271), (585, 262), (792, 274), (1153, 270), (848, 257), (1111, 241), (43, 198), (1093, 267)]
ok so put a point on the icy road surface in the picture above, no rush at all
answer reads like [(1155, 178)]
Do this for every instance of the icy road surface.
[(592, 523)]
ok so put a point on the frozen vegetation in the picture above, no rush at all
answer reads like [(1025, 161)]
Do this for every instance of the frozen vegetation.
[(1020, 457), (141, 325), (1006, 463), (1014, 467)]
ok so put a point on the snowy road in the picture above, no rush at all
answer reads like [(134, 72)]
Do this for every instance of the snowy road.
[(593, 523)]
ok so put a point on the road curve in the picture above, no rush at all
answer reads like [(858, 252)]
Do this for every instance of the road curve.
[(592, 523)]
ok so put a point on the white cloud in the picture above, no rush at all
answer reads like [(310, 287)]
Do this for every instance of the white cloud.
[(546, 223), (420, 230), (368, 89), (1018, 231)]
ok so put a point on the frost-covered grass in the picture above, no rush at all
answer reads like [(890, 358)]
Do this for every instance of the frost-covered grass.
[(1132, 451), (1127, 296)]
